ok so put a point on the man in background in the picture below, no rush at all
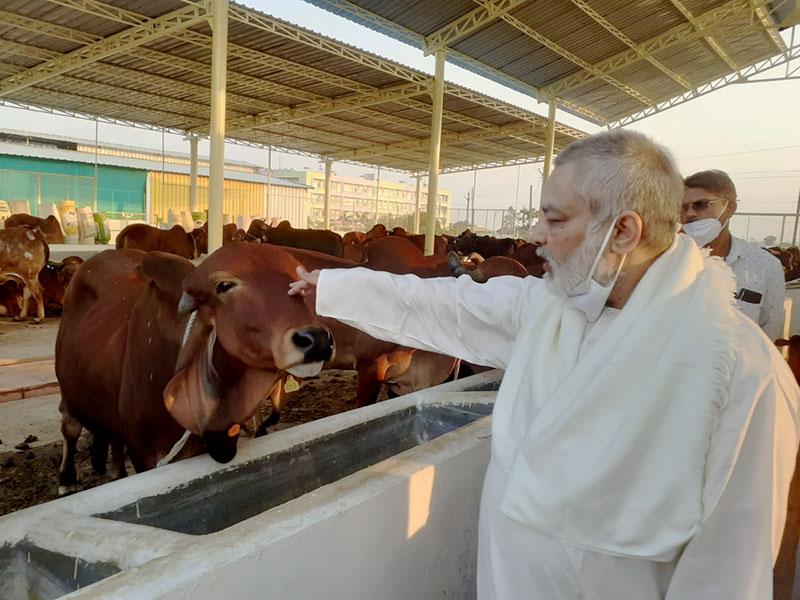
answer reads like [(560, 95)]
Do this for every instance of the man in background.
[(709, 202)]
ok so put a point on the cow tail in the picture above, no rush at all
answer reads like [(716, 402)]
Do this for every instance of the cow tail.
[(40, 236)]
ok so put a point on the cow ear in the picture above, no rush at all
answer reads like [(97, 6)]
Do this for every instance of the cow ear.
[(167, 271), (192, 395), (781, 342)]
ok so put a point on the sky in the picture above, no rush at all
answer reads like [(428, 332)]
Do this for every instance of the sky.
[(751, 130)]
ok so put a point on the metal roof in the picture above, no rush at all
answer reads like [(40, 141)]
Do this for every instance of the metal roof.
[(149, 62), (608, 61)]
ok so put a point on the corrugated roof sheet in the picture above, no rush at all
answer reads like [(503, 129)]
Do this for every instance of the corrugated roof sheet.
[(286, 86), (604, 60)]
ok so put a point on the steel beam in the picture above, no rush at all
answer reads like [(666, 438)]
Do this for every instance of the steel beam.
[(435, 145), (193, 204), (424, 143), (115, 44), (644, 54), (468, 24), (686, 32), (320, 108), (326, 208), (550, 144), (776, 61), (416, 204), (216, 171), (762, 14), (564, 53), (718, 50)]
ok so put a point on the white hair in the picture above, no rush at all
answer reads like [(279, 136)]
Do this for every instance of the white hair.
[(624, 170)]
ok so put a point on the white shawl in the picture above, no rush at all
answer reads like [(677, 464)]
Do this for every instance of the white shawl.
[(615, 458)]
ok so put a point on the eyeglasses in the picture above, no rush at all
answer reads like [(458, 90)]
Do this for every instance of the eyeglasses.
[(699, 205)]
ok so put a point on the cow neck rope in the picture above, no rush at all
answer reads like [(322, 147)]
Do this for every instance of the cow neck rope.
[(185, 437), (175, 449)]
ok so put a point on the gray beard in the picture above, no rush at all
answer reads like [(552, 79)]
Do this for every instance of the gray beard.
[(566, 276)]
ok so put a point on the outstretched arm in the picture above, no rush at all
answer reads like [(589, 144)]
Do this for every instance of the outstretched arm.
[(453, 316)]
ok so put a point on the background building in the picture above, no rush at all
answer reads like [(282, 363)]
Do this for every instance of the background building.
[(355, 207), (135, 184)]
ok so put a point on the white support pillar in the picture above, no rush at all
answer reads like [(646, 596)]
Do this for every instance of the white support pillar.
[(377, 196), (193, 173), (436, 142), (471, 217), (219, 63), (96, 149), (326, 207), (416, 209), (550, 138), (268, 197)]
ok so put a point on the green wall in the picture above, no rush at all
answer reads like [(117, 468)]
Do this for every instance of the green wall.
[(119, 189)]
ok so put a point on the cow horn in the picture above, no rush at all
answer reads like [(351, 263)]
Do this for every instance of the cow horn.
[(187, 304)]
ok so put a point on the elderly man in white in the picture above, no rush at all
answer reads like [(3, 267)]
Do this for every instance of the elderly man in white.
[(645, 432)]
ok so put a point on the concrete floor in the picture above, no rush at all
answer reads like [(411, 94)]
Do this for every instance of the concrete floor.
[(26, 340), (38, 416)]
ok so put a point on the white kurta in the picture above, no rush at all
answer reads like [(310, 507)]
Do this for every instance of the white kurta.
[(730, 556)]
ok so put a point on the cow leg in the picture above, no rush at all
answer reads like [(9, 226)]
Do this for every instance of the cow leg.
[(271, 420), (38, 295), (99, 453), (26, 296), (118, 458), (71, 430), (369, 386)]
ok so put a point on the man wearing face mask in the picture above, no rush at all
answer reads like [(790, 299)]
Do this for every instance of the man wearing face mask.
[(645, 432), (709, 202)]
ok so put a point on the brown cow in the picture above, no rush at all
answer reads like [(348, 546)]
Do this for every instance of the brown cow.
[(377, 362), (23, 253), (354, 243), (483, 270), (526, 255), (183, 348), (53, 278), (318, 240), (50, 227), (398, 255), (139, 236), (484, 245)]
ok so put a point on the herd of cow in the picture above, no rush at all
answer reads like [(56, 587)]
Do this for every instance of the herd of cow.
[(162, 359)]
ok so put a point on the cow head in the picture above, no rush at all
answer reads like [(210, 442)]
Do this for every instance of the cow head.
[(199, 238), (244, 333), (465, 242), (354, 242)]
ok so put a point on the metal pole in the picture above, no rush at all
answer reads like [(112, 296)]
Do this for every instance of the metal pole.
[(96, 142), (163, 177), (783, 228), (436, 142), (326, 209), (796, 219), (193, 173), (268, 199), (530, 210), (471, 217), (550, 138), (216, 184), (377, 195), (516, 203), (416, 209)]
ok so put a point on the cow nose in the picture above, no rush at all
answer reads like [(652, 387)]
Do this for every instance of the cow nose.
[(221, 446), (316, 344)]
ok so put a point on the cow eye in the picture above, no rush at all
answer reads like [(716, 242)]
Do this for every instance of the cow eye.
[(223, 286)]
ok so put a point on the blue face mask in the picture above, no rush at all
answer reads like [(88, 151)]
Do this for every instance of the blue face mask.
[(589, 296)]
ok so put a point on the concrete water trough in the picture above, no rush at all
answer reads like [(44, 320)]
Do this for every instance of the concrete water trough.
[(380, 502)]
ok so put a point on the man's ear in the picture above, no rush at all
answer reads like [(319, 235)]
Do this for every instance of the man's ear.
[(627, 233)]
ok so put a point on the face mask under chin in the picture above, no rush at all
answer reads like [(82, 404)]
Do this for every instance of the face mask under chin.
[(576, 282)]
